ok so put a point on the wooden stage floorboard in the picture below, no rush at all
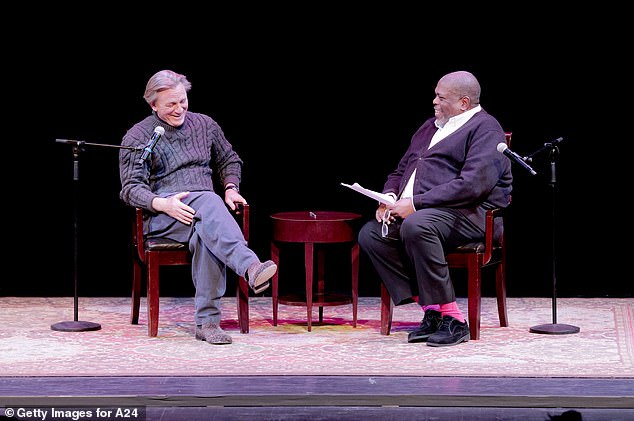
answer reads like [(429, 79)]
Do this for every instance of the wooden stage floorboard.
[(330, 397)]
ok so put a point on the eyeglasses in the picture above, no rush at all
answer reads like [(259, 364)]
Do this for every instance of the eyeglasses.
[(385, 219)]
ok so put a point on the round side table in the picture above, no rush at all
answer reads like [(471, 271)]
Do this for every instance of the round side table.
[(313, 229)]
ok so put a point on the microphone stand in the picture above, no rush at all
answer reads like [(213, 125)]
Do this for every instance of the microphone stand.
[(77, 325), (553, 328)]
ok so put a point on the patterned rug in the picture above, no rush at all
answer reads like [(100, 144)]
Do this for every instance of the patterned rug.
[(604, 347)]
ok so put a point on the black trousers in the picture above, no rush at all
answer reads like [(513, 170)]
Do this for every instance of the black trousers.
[(415, 264)]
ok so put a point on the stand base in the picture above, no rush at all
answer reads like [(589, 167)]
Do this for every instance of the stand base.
[(76, 326), (554, 329)]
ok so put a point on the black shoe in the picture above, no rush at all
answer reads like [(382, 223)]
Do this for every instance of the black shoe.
[(451, 332), (430, 324)]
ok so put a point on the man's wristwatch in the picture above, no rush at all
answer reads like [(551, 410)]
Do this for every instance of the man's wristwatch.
[(232, 187)]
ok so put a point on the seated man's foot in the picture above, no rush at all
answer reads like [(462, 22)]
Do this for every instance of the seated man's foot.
[(213, 334), (451, 332), (430, 325), (259, 275)]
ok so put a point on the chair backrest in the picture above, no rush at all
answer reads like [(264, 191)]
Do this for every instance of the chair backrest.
[(490, 243)]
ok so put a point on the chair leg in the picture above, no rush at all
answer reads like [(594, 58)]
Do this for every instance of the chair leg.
[(137, 273), (355, 283), (474, 295), (386, 310), (243, 305), (152, 296), (321, 283), (500, 288), (309, 253), (275, 257)]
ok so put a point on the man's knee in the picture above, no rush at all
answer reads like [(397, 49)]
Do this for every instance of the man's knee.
[(365, 237), (415, 228)]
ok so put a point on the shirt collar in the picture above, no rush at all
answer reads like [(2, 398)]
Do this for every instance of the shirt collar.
[(460, 119)]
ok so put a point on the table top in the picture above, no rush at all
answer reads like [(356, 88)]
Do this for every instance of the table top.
[(314, 226), (317, 216)]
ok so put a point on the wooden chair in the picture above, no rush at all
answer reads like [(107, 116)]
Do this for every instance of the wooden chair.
[(473, 257), (151, 254)]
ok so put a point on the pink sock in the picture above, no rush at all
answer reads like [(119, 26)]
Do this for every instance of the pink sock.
[(451, 309), (431, 307)]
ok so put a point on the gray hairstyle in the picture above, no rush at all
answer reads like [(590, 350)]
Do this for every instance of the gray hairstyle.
[(162, 80)]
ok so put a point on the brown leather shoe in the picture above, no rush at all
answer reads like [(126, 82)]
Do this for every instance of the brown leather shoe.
[(259, 275), (213, 334)]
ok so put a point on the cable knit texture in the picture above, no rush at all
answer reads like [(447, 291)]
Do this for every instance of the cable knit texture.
[(182, 159)]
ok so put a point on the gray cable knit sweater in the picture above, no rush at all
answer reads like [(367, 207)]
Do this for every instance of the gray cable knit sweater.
[(184, 159)]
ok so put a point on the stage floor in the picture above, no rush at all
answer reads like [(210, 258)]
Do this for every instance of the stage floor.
[(336, 371)]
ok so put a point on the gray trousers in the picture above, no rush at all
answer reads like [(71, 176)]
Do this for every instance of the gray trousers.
[(215, 241), (416, 264)]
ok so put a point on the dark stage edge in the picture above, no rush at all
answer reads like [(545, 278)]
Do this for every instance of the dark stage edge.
[(330, 397)]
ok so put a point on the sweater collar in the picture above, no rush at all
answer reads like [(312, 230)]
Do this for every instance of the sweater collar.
[(158, 122)]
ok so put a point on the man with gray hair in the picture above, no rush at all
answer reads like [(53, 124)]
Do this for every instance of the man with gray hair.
[(173, 184)]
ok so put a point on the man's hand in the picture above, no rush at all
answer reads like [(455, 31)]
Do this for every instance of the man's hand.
[(232, 197), (174, 207), (402, 208), (380, 212)]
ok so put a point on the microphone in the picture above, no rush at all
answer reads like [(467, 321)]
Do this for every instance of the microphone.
[(158, 132), (503, 148), (70, 141)]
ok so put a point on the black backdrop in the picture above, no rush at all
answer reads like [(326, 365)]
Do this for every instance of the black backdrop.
[(307, 106)]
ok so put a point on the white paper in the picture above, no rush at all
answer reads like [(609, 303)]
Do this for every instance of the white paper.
[(381, 197)]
